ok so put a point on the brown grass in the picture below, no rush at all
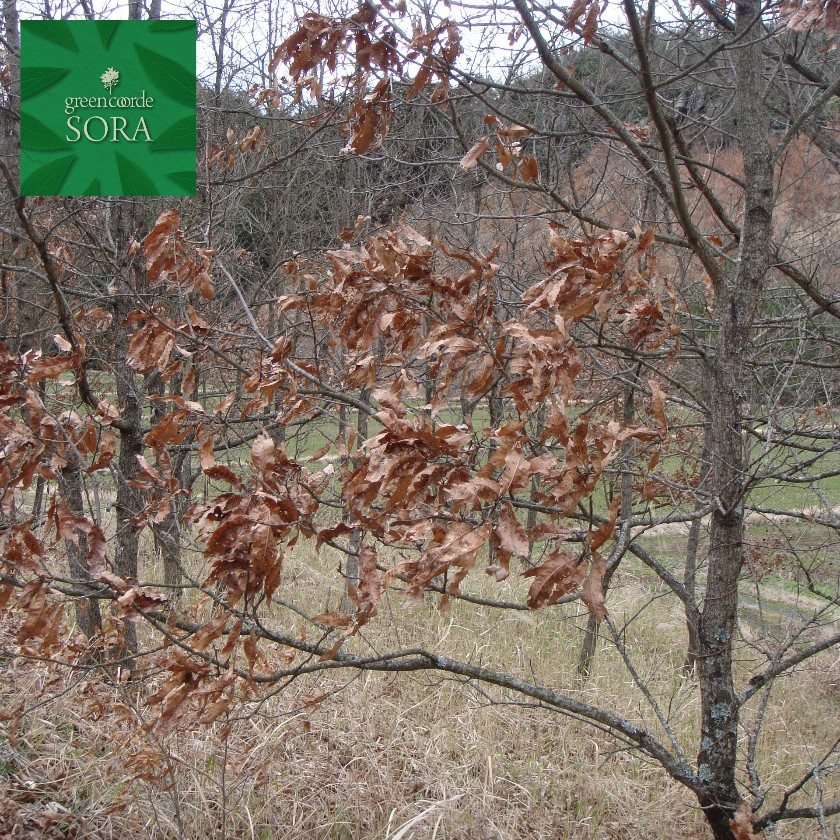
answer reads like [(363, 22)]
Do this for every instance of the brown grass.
[(390, 756)]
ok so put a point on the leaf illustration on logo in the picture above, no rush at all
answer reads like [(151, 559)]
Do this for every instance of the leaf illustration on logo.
[(37, 79), (171, 79), (35, 136), (133, 179), (185, 182), (93, 188), (171, 25), (110, 78), (55, 31), (47, 180), (106, 29), (180, 136)]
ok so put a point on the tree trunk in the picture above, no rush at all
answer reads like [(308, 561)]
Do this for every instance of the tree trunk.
[(128, 503), (352, 573), (168, 532), (590, 636), (692, 615), (88, 615), (589, 644), (692, 651), (737, 302), (23, 288), (130, 224)]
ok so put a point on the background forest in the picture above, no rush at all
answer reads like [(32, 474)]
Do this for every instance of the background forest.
[(462, 461)]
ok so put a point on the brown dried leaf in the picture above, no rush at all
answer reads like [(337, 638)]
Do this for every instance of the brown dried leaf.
[(605, 530), (575, 13), (658, 404), (115, 582), (550, 531), (37, 615), (232, 639), (590, 26), (333, 619), (49, 368), (96, 555), (312, 697), (645, 240), (363, 131), (529, 168), (208, 634), (106, 452), (456, 546), (273, 574), (263, 453), (368, 589), (327, 534), (225, 404), (504, 154), (62, 343), (560, 574), (215, 710), (471, 158), (205, 451), (593, 587), (514, 131), (421, 79), (742, 824), (6, 591), (223, 473), (511, 535), (251, 651)]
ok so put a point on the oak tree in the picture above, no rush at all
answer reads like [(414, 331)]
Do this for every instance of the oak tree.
[(619, 318)]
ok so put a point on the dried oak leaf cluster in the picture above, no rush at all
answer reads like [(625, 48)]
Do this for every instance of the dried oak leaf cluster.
[(404, 327)]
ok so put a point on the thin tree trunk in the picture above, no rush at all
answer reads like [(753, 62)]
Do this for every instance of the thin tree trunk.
[(88, 615), (737, 301), (167, 533), (531, 519), (692, 614), (590, 636), (38, 503), (128, 503), (539, 418), (352, 566), (11, 124), (590, 639), (25, 291), (168, 539)]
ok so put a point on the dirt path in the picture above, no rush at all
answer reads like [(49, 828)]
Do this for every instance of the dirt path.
[(809, 515)]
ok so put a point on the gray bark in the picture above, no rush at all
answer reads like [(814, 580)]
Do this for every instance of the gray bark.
[(11, 32), (128, 503), (352, 571), (737, 300), (20, 289), (168, 532), (692, 654), (88, 615)]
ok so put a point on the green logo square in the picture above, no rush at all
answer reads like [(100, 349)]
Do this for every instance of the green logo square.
[(107, 107)]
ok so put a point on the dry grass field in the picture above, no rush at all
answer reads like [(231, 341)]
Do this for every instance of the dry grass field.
[(396, 757)]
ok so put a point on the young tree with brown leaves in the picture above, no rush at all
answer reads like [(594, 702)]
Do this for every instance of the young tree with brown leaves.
[(633, 330)]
